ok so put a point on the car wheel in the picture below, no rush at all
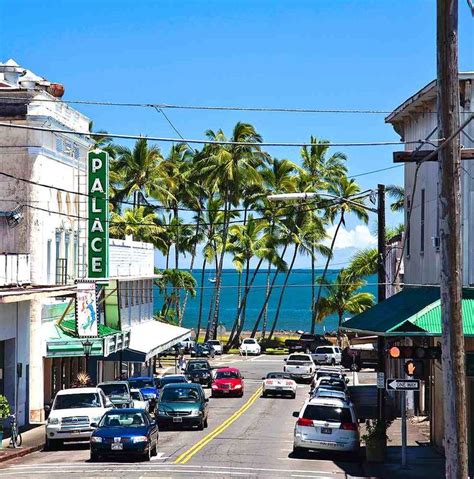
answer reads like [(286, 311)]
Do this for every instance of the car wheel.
[(293, 396), (205, 422), (333, 362), (355, 367), (95, 457), (147, 455), (201, 425), (264, 394), (154, 451)]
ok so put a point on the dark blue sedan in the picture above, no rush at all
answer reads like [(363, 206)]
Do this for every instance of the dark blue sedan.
[(125, 433)]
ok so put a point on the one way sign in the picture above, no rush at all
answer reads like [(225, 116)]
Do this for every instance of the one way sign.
[(403, 385)]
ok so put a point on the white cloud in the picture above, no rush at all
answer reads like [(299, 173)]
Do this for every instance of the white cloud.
[(358, 237)]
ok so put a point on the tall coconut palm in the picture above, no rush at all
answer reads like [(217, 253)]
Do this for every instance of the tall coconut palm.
[(344, 188), (397, 193), (140, 169), (344, 295), (226, 167)]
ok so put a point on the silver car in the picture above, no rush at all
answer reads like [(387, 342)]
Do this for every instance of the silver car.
[(328, 424)]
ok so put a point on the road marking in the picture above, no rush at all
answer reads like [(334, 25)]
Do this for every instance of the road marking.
[(187, 455)]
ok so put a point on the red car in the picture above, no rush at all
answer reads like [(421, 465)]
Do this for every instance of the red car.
[(227, 382)]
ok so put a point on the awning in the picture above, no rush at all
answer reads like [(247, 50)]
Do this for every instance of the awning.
[(64, 341), (415, 311), (150, 338)]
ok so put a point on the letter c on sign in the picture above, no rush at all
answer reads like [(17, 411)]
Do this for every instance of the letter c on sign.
[(94, 247)]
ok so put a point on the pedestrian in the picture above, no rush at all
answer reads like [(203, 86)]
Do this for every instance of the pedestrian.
[(181, 362)]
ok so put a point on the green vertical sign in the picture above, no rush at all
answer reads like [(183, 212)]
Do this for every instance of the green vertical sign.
[(98, 214)]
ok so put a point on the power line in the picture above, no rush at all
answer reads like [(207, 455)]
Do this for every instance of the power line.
[(172, 106), (209, 142)]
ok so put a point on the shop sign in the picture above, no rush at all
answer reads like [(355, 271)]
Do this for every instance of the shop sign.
[(98, 214), (86, 309)]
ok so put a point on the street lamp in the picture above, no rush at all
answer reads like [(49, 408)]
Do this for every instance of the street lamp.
[(87, 345)]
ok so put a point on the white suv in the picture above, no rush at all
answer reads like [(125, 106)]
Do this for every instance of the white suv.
[(327, 355), (250, 346), (216, 344), (328, 424), (74, 413)]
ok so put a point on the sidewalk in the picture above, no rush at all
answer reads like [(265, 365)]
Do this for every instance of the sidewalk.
[(422, 459), (33, 440)]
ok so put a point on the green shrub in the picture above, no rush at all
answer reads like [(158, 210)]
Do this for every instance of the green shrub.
[(4, 410)]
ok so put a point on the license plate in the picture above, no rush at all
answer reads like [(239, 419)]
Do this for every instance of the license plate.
[(177, 419), (225, 391), (279, 388), (116, 446), (75, 431), (326, 430)]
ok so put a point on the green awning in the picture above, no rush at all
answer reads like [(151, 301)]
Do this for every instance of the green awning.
[(415, 311), (65, 342)]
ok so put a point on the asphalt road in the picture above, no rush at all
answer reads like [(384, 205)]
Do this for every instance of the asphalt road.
[(247, 437)]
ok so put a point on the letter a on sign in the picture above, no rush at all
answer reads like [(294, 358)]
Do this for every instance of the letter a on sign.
[(98, 214)]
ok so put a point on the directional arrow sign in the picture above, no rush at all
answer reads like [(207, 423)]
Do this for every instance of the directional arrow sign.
[(403, 385)]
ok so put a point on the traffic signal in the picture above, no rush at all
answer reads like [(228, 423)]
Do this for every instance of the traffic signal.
[(414, 352), (414, 368)]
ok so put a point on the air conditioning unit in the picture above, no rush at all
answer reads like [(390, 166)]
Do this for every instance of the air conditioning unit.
[(436, 242)]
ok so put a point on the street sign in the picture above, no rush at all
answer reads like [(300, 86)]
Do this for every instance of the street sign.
[(380, 380), (403, 385)]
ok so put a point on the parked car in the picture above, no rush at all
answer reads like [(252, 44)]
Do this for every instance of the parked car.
[(323, 392), (306, 343), (182, 405), (328, 373), (139, 401), (187, 344), (171, 379), (278, 384), (300, 366), (118, 392), (250, 346), (328, 424), (202, 351), (73, 413), (217, 345), (226, 382), (327, 355), (359, 356), (199, 371), (123, 433)]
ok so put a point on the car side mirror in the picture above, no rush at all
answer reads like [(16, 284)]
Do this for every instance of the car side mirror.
[(242, 377), (285, 359), (47, 408), (109, 403), (94, 424), (206, 400), (347, 380), (296, 413), (263, 378)]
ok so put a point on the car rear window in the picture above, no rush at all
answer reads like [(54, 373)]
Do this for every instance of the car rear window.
[(300, 357), (327, 413), (324, 350), (278, 376), (249, 341)]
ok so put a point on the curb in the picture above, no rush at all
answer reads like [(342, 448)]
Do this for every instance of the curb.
[(20, 452)]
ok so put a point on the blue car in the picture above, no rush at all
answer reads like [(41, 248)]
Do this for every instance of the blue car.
[(146, 384), (125, 433)]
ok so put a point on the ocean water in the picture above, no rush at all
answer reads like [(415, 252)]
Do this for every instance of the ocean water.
[(295, 313)]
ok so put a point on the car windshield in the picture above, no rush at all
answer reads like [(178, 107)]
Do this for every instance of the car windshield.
[(278, 376), (327, 383), (180, 395), (76, 401), (327, 413), (249, 341), (171, 380), (214, 342), (141, 383), (299, 357), (136, 395), (321, 374), (125, 419), (227, 375), (324, 350), (114, 389), (299, 363), (197, 366)]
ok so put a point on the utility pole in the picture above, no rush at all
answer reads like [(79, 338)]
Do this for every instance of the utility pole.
[(381, 297), (449, 157)]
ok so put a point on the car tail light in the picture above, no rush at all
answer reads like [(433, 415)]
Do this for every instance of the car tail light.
[(289, 383), (269, 382), (302, 421), (349, 426)]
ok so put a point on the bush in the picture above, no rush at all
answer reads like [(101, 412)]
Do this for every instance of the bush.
[(274, 343), (376, 431), (4, 410)]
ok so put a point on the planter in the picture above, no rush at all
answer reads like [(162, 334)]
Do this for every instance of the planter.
[(376, 450)]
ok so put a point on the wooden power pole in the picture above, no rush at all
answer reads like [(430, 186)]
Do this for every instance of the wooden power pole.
[(454, 377), (381, 290)]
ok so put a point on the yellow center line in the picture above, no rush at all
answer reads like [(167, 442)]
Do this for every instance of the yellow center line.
[(187, 455)]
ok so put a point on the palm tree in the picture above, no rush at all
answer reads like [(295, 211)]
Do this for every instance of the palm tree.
[(177, 280), (343, 295), (101, 141), (344, 188), (364, 263), (397, 193), (226, 168), (140, 169)]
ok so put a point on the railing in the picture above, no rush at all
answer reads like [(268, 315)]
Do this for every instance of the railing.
[(14, 269)]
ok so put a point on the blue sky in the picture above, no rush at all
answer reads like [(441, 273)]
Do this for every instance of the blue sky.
[(368, 54)]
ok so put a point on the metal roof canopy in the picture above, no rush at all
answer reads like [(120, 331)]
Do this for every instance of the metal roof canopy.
[(415, 311)]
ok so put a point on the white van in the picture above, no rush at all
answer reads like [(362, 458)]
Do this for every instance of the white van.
[(75, 414)]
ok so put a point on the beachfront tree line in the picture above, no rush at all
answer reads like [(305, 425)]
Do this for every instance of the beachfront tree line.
[(214, 200)]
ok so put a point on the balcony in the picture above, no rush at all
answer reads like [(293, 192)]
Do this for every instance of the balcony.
[(14, 269)]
